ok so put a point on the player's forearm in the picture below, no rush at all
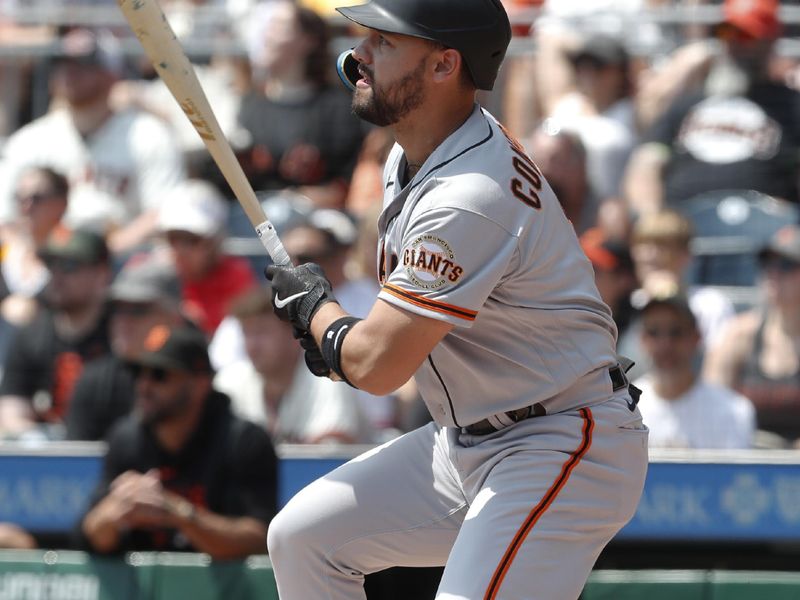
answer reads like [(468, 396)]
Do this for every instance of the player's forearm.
[(382, 352), (365, 359)]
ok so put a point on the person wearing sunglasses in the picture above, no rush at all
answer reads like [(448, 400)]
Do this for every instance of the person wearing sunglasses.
[(680, 408), (46, 356), (144, 294), (759, 353), (182, 473), (40, 195)]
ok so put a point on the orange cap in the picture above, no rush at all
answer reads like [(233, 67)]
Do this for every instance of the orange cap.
[(757, 18)]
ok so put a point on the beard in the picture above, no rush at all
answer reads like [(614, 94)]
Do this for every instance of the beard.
[(386, 106), (153, 411)]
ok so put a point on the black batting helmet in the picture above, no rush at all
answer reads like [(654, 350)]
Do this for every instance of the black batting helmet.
[(479, 29)]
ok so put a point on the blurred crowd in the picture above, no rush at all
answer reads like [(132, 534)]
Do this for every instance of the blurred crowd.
[(134, 310)]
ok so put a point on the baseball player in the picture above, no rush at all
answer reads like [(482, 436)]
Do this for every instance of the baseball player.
[(536, 455)]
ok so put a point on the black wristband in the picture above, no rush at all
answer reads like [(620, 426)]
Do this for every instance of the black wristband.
[(332, 342)]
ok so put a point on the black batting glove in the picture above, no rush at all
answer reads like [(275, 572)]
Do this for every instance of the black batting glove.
[(313, 356), (298, 292)]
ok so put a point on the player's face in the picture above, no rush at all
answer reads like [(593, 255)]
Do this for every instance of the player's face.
[(669, 339), (389, 89)]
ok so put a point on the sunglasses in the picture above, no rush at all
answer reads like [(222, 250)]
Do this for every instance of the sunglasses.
[(670, 333), (35, 197), (133, 309), (155, 374), (779, 264), (65, 265)]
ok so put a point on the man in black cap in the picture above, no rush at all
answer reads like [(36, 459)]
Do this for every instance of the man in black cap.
[(46, 356), (182, 473), (146, 293)]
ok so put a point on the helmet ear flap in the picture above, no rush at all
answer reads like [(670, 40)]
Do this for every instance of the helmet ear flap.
[(347, 68)]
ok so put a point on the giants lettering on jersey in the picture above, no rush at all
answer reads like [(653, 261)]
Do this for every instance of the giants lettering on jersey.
[(430, 263)]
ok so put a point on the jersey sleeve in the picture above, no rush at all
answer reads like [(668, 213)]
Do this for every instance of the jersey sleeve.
[(451, 260)]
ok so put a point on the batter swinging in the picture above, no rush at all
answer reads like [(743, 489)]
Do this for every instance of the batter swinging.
[(537, 453)]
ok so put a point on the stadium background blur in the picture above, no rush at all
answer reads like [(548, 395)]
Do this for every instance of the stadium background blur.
[(584, 87)]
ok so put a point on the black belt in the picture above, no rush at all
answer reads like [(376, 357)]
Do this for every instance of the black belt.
[(618, 381)]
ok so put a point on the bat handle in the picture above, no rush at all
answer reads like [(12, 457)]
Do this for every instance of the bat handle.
[(269, 238)]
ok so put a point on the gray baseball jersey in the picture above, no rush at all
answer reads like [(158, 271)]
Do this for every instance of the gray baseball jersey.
[(478, 239)]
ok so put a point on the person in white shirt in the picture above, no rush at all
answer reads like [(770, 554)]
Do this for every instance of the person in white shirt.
[(682, 410), (119, 163), (273, 387)]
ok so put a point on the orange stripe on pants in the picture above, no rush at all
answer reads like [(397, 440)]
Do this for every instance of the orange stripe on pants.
[(539, 509)]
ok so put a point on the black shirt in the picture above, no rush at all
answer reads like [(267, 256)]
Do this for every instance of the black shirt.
[(324, 121), (103, 394), (40, 363), (749, 142), (228, 466)]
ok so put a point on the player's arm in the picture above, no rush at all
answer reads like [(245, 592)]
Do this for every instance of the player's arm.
[(384, 350), (377, 354)]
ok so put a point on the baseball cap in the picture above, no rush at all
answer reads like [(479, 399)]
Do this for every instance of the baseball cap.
[(604, 253), (146, 279), (80, 245), (336, 223), (91, 47), (758, 18), (182, 348), (785, 242), (195, 206), (600, 48), (676, 301)]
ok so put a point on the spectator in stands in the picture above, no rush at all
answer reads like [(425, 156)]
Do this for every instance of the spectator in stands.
[(680, 409), (759, 351), (561, 156), (661, 248), (274, 388), (741, 131), (119, 164), (182, 473), (193, 221), (303, 132), (328, 238), (613, 274), (46, 357), (145, 293), (41, 199), (600, 110)]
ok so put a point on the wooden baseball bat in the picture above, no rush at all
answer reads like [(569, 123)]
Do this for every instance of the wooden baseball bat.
[(162, 47)]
